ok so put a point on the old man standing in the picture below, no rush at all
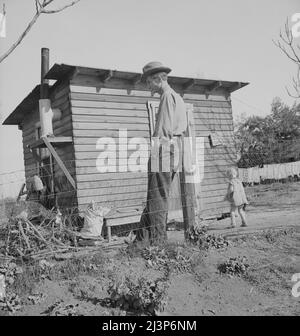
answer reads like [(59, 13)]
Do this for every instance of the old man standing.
[(170, 127)]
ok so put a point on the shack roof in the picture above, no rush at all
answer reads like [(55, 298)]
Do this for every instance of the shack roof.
[(114, 79)]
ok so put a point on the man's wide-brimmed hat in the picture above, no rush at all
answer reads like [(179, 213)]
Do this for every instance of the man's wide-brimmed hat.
[(152, 68)]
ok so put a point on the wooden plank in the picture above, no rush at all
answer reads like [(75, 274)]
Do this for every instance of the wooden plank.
[(188, 201), (93, 141), (227, 140), (213, 122), (84, 174), (215, 206), (209, 181), (53, 140), (138, 93), (108, 91), (209, 103), (208, 163), (111, 184), (212, 128), (191, 97), (110, 126), (203, 131), (60, 101), (61, 91), (91, 173), (224, 130), (215, 110), (138, 105), (123, 220), (203, 112), (108, 133), (30, 131), (94, 80), (112, 190), (94, 155), (110, 98), (108, 111), (84, 202), (108, 105), (64, 130), (218, 117), (222, 134), (91, 147), (103, 180), (138, 196), (209, 156), (59, 161), (214, 187), (214, 193), (110, 119), (29, 127)]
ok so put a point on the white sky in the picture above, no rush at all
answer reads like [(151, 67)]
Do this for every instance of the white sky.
[(229, 40)]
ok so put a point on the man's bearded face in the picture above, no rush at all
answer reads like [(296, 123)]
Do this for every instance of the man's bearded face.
[(154, 83)]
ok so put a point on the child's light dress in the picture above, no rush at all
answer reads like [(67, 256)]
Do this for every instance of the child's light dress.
[(237, 197)]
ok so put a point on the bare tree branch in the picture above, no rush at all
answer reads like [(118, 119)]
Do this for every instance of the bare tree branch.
[(283, 49), (38, 5), (59, 9), (19, 40), (290, 49), (46, 3), (40, 9)]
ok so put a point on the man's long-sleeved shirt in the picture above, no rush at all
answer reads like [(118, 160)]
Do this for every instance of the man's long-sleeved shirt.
[(171, 117)]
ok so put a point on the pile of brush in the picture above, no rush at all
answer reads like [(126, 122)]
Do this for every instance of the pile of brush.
[(33, 231)]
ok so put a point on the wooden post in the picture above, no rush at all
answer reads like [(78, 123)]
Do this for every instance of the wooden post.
[(188, 199)]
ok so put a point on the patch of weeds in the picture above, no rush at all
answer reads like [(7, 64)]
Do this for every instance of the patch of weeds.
[(288, 269), (61, 309), (168, 257), (234, 266), (138, 294), (81, 291), (73, 267), (84, 290), (198, 235), (11, 303), (273, 236), (269, 280), (98, 259), (26, 281), (135, 249)]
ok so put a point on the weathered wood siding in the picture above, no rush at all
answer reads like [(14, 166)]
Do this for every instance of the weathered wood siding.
[(63, 127), (101, 113), (214, 115)]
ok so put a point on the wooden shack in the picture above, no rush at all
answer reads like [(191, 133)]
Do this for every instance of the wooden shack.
[(97, 103)]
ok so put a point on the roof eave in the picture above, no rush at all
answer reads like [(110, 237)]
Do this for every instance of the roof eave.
[(29, 102)]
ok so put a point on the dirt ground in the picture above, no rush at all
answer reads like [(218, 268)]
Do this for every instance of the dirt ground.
[(270, 245)]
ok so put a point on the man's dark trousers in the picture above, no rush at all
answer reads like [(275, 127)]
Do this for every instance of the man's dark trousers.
[(154, 218)]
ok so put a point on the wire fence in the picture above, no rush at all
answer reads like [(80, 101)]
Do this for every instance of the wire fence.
[(63, 190)]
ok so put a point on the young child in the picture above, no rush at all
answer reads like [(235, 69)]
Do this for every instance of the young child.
[(237, 197)]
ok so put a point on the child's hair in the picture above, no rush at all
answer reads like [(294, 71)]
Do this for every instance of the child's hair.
[(232, 172)]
